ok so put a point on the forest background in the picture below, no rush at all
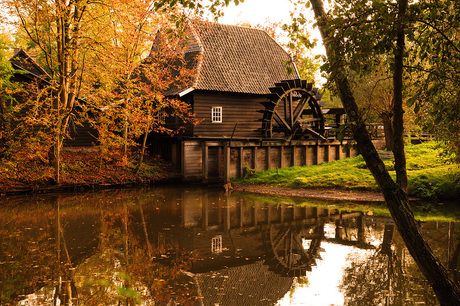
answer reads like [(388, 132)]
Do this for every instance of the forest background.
[(93, 51)]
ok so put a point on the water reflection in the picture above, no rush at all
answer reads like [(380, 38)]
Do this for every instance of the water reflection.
[(202, 246)]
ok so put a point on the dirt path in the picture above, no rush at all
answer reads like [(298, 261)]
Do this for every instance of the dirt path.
[(325, 194)]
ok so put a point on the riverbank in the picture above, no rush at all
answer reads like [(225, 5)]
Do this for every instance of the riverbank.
[(82, 170), (430, 176), (319, 194)]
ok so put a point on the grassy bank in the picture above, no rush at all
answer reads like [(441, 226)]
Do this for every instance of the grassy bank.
[(430, 176), (80, 168), (423, 211)]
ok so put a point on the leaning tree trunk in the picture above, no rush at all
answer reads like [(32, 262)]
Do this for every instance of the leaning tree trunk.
[(395, 197)]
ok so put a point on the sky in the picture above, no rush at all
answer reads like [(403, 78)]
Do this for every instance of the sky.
[(257, 11)]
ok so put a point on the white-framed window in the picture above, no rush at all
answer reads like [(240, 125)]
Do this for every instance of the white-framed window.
[(216, 114), (216, 244)]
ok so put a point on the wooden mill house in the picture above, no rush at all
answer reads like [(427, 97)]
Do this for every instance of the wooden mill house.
[(256, 114)]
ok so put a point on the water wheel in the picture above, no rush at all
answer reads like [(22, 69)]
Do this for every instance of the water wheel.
[(284, 115), (294, 249)]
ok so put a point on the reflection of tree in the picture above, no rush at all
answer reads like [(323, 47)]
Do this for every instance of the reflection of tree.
[(26, 241), (130, 268), (384, 278), (41, 252)]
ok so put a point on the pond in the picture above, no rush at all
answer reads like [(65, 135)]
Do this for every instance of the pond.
[(202, 246)]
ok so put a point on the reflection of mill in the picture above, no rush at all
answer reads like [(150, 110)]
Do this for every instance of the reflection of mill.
[(234, 231), (291, 255)]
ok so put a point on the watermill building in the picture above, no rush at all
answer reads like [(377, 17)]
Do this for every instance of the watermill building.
[(256, 111)]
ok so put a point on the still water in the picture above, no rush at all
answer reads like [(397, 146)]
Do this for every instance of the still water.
[(201, 246)]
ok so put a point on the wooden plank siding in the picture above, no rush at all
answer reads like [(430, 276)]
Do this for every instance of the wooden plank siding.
[(81, 136), (192, 161), (235, 108)]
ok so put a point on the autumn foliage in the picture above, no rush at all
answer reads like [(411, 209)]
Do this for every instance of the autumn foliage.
[(102, 71)]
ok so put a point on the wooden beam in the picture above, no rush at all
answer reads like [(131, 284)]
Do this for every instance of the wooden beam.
[(269, 164), (241, 211), (293, 159), (226, 209), (182, 163), (204, 161), (281, 121), (241, 161), (254, 158), (282, 163), (220, 165), (204, 211), (226, 165)]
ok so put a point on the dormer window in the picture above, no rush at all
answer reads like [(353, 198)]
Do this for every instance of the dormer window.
[(216, 114)]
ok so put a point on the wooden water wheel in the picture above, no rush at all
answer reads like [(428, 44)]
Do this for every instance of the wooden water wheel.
[(294, 248), (284, 115)]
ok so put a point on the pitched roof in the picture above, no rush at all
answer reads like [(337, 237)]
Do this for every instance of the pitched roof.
[(23, 61), (236, 59)]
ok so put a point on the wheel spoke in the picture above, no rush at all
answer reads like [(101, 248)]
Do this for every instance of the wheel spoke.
[(282, 121), (276, 244), (283, 113)]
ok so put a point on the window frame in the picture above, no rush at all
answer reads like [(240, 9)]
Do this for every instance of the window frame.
[(216, 244), (216, 114)]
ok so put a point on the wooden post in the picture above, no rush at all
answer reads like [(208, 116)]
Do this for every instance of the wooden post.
[(204, 211), (219, 162), (293, 156), (282, 163), (241, 210), (268, 158), (204, 161), (361, 229), (268, 215), (254, 158), (241, 162), (226, 215), (226, 163), (315, 153), (338, 229), (182, 162), (306, 155), (219, 214)]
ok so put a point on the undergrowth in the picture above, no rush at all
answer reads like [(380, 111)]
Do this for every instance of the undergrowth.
[(80, 167)]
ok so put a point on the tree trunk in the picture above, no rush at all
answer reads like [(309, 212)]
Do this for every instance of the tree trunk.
[(388, 130), (395, 197), (398, 111), (144, 143)]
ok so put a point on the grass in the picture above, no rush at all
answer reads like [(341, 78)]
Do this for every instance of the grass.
[(423, 211), (430, 176)]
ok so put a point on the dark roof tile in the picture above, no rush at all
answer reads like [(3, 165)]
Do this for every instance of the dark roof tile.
[(235, 59), (238, 59)]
